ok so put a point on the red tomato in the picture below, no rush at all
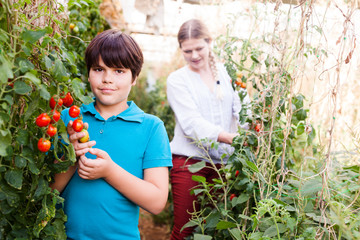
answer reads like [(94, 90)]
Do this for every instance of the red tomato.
[(53, 102), (78, 125), (51, 131), (232, 196), (55, 116), (43, 120), (44, 145), (258, 127), (74, 111), (68, 100), (237, 173)]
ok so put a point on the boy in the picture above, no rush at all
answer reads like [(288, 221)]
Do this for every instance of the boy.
[(129, 166)]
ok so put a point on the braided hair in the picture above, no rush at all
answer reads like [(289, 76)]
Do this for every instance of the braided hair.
[(195, 29)]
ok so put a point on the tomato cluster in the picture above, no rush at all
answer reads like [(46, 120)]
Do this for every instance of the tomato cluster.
[(50, 119), (78, 124), (239, 81)]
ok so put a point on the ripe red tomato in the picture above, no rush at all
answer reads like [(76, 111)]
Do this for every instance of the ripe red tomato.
[(55, 116), (74, 111), (237, 173), (258, 127), (68, 100), (44, 145), (43, 120), (232, 196), (53, 102), (78, 125), (51, 131)]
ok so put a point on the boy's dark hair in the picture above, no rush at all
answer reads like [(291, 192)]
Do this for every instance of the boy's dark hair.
[(117, 50)]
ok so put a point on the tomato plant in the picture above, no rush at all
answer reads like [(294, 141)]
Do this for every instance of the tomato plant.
[(37, 61)]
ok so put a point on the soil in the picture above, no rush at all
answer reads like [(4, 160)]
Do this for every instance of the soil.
[(150, 230)]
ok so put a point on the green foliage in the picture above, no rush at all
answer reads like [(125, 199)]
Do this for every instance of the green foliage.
[(37, 61), (265, 191)]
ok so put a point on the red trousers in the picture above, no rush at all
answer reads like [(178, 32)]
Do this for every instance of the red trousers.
[(181, 185)]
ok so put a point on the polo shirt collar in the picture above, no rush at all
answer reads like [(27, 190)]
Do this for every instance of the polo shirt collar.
[(132, 114)]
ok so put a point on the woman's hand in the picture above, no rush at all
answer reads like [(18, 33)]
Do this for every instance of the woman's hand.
[(227, 137), (91, 169), (80, 148)]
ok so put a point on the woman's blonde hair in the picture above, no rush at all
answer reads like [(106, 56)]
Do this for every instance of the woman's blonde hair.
[(196, 29)]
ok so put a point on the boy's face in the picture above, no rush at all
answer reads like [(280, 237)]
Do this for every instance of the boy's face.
[(111, 86)]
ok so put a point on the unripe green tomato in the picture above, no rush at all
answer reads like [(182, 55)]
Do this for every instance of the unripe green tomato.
[(76, 29), (86, 137), (228, 175)]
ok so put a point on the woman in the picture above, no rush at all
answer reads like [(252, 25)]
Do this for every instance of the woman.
[(205, 107)]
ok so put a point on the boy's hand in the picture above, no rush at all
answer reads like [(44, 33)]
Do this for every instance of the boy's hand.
[(80, 148), (95, 168)]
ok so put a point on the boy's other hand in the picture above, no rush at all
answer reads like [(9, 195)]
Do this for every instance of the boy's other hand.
[(95, 168), (80, 148)]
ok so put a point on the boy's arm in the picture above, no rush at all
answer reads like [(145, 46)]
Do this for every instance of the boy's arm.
[(62, 179), (150, 193)]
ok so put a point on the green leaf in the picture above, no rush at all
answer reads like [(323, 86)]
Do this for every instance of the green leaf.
[(4, 118), (197, 166), (225, 225), (245, 217), (256, 236), (32, 78), (198, 236), (21, 87), (25, 65), (200, 179), (236, 233), (20, 162), (42, 188), (272, 231), (252, 166), (312, 187), (189, 224), (242, 198), (44, 93), (14, 178), (9, 99), (5, 70), (23, 137), (59, 71), (5, 142), (33, 106), (300, 129), (33, 36)]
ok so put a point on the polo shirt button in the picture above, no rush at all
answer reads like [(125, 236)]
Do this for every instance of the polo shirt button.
[(101, 131)]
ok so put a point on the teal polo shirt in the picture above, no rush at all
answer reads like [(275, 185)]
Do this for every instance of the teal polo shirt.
[(135, 141)]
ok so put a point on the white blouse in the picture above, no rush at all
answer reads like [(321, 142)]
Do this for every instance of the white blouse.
[(199, 114)]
